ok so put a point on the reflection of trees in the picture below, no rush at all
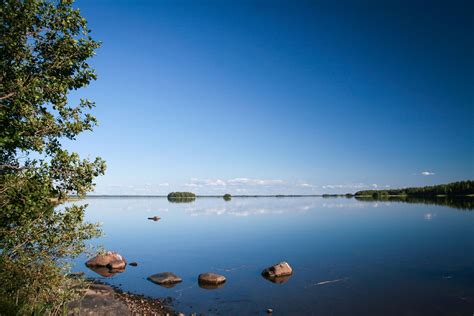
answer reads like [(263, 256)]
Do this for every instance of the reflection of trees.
[(462, 203), (181, 199)]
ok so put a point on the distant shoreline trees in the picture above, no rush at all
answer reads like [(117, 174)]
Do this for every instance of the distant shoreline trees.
[(460, 188), (227, 197)]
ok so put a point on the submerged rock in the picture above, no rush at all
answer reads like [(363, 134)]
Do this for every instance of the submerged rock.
[(211, 278), (208, 286), (110, 259), (167, 279), (278, 270), (278, 280), (133, 264)]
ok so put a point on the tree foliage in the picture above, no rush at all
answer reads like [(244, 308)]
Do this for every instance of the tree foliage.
[(44, 48)]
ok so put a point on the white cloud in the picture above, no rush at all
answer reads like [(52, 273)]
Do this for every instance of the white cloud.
[(234, 182), (347, 186), (249, 181), (353, 186), (427, 173)]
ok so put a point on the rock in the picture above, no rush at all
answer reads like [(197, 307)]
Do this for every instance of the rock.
[(98, 299), (269, 311), (117, 265), (110, 259), (154, 218), (278, 270), (133, 264), (165, 278), (76, 275), (211, 278)]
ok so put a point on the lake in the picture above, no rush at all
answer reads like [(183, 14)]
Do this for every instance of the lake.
[(349, 257)]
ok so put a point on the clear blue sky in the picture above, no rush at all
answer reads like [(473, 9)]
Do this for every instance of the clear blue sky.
[(280, 97)]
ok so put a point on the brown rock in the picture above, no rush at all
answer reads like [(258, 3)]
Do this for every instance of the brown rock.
[(211, 278), (112, 259), (278, 270), (117, 265)]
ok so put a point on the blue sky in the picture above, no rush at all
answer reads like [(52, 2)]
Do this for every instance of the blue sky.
[(257, 97)]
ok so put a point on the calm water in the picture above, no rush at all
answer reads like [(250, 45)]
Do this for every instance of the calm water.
[(386, 258)]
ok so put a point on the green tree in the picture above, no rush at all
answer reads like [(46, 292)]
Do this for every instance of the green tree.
[(44, 48)]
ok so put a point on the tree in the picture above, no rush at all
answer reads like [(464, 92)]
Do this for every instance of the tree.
[(227, 197), (44, 48)]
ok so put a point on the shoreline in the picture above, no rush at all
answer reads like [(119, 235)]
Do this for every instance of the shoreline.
[(103, 299)]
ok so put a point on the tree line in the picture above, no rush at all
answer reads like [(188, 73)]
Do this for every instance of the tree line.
[(460, 188)]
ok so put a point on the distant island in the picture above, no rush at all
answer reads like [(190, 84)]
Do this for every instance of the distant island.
[(178, 197), (454, 189)]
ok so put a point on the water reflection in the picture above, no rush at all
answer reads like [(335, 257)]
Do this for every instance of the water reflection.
[(350, 256), (181, 199), (462, 203), (208, 286), (106, 272)]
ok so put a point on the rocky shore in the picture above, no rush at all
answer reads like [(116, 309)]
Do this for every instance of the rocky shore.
[(103, 300)]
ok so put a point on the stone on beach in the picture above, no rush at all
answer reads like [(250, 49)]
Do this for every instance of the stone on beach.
[(278, 270), (211, 278), (165, 278)]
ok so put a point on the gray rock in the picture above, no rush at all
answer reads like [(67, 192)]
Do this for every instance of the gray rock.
[(211, 278), (165, 278)]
